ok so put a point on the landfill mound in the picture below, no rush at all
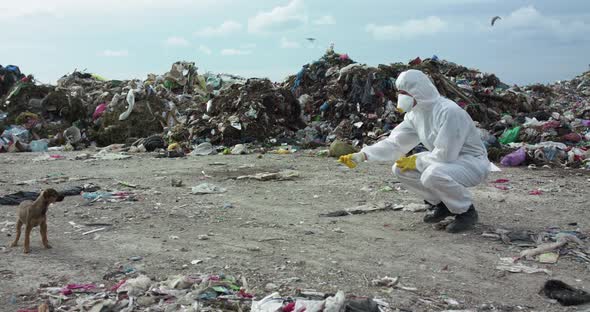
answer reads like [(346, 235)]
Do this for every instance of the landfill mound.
[(356, 102), (256, 111), (333, 98)]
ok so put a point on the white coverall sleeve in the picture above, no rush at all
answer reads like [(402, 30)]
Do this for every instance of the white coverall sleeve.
[(401, 140), (448, 142)]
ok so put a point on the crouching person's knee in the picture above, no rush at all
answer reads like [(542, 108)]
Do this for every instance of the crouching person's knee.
[(433, 178)]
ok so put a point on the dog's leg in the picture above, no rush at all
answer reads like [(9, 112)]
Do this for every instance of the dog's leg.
[(43, 231), (19, 225), (28, 230)]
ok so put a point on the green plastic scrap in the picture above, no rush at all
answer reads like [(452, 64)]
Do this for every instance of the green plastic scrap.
[(15, 91), (510, 136), (220, 289)]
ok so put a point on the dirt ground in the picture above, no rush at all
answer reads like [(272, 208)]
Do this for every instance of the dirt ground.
[(272, 233)]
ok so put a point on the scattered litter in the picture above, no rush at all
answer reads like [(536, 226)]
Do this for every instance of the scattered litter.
[(207, 188), (104, 155), (315, 302), (501, 181), (45, 157), (203, 149), (385, 282), (509, 264), (562, 240), (548, 257), (391, 282), (361, 210), (413, 207), (94, 231), (267, 176), (113, 197), (127, 184)]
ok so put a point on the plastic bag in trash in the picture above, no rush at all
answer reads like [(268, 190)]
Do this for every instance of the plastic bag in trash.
[(17, 133), (515, 158), (510, 136)]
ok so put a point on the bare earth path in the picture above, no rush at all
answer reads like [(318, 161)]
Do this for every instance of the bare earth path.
[(273, 232)]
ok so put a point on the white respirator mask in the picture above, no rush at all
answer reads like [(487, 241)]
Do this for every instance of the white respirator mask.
[(405, 103)]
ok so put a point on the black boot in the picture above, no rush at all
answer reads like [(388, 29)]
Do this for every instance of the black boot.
[(430, 206), (464, 221), (440, 213)]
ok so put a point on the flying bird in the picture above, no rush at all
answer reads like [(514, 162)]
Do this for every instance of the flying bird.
[(310, 39), (494, 19)]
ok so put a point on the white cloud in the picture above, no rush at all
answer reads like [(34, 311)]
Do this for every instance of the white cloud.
[(234, 52), (248, 46), (325, 20), (225, 28), (205, 49), (279, 18), (114, 53), (408, 29), (288, 44), (528, 22), (176, 41)]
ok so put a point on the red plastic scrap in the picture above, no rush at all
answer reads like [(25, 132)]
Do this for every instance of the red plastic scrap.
[(416, 61), (536, 192), (290, 307), (502, 187), (573, 137), (551, 125), (118, 285), (243, 294), (502, 181)]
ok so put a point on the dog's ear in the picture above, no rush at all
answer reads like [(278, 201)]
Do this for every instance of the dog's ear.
[(49, 193)]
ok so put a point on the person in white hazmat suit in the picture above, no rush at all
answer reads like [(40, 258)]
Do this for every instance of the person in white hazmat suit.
[(456, 156)]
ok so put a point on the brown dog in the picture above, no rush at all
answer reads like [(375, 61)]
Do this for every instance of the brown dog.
[(34, 213)]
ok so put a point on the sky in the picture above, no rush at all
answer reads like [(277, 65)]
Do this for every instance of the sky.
[(535, 41)]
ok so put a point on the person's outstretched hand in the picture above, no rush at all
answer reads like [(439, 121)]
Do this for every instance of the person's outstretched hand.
[(352, 160), (406, 163)]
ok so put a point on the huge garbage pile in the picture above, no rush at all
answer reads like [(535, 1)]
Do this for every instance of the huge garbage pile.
[(255, 111), (329, 99)]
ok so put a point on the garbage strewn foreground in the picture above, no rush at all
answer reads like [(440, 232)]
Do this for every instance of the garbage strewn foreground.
[(331, 99)]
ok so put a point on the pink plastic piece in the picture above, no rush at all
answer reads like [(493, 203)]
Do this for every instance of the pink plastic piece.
[(68, 290), (100, 109)]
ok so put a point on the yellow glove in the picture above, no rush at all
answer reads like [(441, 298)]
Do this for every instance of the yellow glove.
[(351, 160), (406, 163)]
